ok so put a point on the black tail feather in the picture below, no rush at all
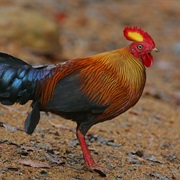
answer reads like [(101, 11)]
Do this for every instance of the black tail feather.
[(13, 79), (32, 119)]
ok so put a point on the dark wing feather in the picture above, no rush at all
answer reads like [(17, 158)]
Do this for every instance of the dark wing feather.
[(68, 97)]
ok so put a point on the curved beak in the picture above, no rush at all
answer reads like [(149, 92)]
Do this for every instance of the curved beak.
[(154, 50)]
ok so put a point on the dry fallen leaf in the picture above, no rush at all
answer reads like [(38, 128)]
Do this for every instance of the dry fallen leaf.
[(33, 164)]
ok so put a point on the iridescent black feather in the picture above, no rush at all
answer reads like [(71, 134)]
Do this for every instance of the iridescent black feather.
[(18, 82)]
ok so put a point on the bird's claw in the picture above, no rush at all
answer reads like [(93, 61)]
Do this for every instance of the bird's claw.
[(99, 169)]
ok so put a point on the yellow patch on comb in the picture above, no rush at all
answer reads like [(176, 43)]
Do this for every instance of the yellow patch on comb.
[(135, 36)]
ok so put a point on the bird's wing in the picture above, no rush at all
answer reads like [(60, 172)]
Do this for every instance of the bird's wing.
[(68, 97)]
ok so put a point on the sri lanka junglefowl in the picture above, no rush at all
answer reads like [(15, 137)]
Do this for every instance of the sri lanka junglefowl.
[(86, 90)]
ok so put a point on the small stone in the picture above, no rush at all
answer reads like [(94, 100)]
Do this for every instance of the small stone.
[(44, 173), (139, 153)]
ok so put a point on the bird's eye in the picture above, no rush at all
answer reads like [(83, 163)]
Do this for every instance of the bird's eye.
[(140, 46)]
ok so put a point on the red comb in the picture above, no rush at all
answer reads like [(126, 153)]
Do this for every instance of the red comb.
[(137, 35)]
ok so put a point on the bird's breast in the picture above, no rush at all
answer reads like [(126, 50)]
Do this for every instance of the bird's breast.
[(119, 91)]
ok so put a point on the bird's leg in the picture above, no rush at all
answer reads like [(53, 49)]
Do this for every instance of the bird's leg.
[(87, 155)]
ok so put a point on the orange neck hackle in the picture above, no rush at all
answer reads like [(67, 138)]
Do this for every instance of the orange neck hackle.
[(113, 72)]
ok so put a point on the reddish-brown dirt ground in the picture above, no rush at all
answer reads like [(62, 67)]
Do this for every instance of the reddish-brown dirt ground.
[(141, 144)]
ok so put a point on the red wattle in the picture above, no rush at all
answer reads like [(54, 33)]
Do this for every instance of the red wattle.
[(147, 59)]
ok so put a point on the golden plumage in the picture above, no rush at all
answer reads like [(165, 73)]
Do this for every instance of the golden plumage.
[(115, 79)]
